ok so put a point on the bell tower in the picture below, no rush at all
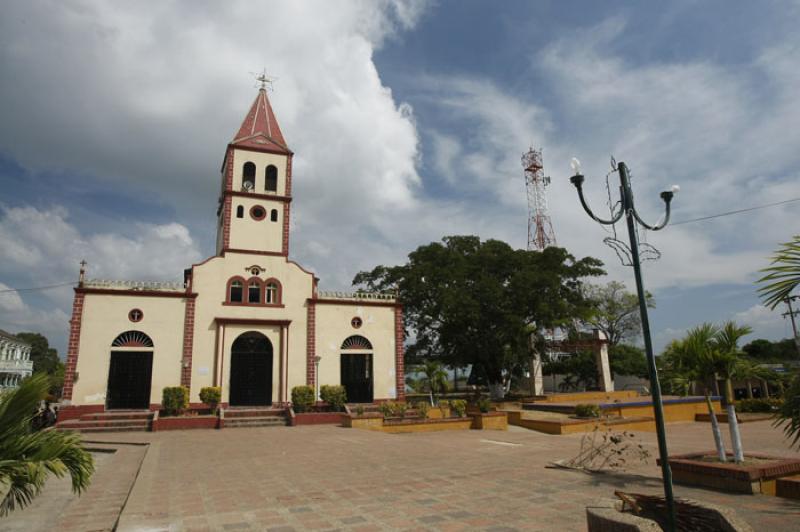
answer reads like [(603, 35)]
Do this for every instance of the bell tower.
[(256, 192)]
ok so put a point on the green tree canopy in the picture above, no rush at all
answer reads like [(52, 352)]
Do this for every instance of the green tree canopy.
[(628, 360), (616, 311), (45, 359), (473, 302), (782, 275), (766, 351)]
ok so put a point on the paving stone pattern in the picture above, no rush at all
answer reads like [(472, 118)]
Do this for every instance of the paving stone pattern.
[(332, 478)]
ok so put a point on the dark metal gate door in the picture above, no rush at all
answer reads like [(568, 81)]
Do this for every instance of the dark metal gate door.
[(129, 379), (251, 371), (356, 377)]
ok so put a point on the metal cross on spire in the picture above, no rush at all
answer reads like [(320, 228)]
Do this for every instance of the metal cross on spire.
[(264, 79)]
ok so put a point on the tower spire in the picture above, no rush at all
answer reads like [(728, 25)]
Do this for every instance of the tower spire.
[(260, 130)]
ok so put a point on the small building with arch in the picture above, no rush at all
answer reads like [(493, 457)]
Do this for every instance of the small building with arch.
[(247, 319)]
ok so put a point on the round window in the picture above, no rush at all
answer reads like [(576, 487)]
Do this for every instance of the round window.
[(356, 322), (258, 213), (135, 315)]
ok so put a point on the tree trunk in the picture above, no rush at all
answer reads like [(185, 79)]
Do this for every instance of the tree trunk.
[(749, 389), (716, 386), (733, 423), (765, 388), (715, 429), (497, 390)]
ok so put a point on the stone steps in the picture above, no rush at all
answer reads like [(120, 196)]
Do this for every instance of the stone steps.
[(231, 413), (254, 421), (98, 423), (122, 421)]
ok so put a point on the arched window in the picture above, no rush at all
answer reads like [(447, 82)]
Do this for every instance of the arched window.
[(235, 291), (271, 183), (132, 339), (254, 290), (240, 211), (357, 343), (249, 175), (273, 216), (272, 292)]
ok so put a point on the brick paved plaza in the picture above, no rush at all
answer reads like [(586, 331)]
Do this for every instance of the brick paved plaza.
[(325, 478)]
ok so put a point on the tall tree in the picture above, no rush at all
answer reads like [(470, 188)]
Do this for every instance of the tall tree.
[(45, 360), (616, 311), (473, 302), (28, 457), (628, 360), (783, 275)]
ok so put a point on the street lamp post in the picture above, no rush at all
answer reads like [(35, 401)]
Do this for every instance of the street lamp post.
[(317, 358), (632, 217)]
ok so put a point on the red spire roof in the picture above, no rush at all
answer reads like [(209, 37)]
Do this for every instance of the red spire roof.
[(260, 129)]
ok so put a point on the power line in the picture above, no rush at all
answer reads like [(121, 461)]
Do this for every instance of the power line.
[(735, 212), (32, 288)]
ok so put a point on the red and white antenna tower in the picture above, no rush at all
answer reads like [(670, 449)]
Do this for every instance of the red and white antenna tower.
[(540, 228)]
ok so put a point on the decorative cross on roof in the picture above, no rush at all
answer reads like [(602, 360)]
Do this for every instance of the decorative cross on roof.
[(265, 79)]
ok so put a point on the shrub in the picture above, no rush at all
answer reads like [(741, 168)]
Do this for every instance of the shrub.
[(587, 410), (484, 404), (359, 410), (459, 406), (758, 405), (335, 396), (386, 409), (302, 398), (422, 409), (211, 395), (175, 399)]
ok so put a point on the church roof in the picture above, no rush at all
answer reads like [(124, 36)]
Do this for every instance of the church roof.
[(260, 129)]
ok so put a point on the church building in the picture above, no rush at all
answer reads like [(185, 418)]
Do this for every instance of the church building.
[(248, 319)]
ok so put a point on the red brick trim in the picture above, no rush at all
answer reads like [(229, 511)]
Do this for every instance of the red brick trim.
[(399, 351), (278, 294), (141, 293), (245, 321), (227, 201), (288, 190), (257, 195), (285, 241), (252, 252), (73, 346), (228, 290), (188, 343), (278, 151), (357, 303), (311, 343), (76, 411)]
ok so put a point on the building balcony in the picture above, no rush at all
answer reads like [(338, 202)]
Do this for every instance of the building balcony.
[(16, 366), (390, 297)]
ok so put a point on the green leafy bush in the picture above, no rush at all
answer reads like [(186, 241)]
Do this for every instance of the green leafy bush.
[(303, 398), (422, 409), (175, 399), (392, 409), (758, 405), (211, 395), (386, 409), (334, 395), (587, 410), (359, 410), (484, 404), (459, 406)]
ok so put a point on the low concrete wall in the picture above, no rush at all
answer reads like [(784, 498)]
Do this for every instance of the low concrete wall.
[(181, 423), (316, 418), (490, 421), (572, 426)]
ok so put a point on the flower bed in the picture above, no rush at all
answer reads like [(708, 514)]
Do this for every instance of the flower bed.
[(756, 475)]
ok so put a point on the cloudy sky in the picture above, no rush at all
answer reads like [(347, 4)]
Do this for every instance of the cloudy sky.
[(408, 120)]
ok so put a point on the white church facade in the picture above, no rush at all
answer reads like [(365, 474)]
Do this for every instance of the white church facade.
[(247, 319)]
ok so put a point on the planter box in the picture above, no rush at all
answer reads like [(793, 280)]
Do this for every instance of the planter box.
[(317, 418), (368, 421), (426, 425), (604, 516), (757, 477), (490, 421), (185, 422), (435, 412)]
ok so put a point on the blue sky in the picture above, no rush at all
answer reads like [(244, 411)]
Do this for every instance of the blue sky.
[(408, 120)]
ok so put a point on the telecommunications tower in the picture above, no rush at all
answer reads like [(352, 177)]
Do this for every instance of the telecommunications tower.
[(540, 228)]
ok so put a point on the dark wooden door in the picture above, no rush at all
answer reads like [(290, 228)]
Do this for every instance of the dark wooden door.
[(356, 377), (251, 371), (129, 379)]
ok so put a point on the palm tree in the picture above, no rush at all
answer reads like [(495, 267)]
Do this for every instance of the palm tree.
[(781, 279), (27, 457), (783, 275), (435, 376)]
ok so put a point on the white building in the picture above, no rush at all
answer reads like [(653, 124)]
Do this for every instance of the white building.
[(247, 319), (15, 361)]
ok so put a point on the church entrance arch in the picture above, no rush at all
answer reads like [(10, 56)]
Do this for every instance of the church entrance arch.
[(251, 370), (130, 372), (356, 369)]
